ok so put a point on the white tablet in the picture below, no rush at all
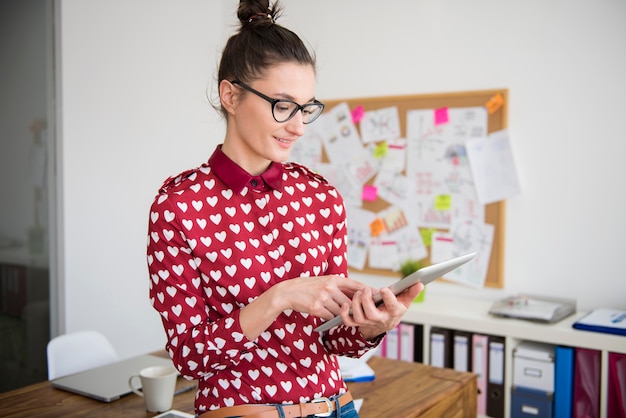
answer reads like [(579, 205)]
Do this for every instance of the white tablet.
[(425, 275)]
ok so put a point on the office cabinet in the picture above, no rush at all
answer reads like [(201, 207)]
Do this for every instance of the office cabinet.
[(471, 315)]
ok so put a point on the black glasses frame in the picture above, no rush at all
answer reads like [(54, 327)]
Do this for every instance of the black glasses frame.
[(274, 102)]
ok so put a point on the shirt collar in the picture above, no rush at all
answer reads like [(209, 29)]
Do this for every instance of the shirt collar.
[(236, 178)]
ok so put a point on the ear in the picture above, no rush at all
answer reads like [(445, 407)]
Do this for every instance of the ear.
[(228, 96)]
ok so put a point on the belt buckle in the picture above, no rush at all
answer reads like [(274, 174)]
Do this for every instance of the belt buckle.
[(329, 404)]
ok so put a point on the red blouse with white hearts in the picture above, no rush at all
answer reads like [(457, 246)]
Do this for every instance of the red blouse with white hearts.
[(218, 238)]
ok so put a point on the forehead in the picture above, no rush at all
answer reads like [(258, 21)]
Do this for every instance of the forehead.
[(288, 79)]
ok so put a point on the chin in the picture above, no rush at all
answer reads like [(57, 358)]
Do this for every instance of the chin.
[(281, 154), (281, 158)]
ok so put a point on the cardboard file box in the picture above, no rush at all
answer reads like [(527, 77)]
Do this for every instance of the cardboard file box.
[(526, 403), (533, 366)]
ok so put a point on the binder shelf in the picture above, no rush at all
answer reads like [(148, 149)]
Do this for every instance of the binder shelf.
[(438, 312)]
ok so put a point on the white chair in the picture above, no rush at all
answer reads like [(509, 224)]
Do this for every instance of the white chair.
[(78, 351)]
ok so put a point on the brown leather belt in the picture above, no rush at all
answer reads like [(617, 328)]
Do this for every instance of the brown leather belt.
[(321, 407)]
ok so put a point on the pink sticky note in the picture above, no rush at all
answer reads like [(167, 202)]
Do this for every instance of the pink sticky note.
[(370, 193), (441, 116), (357, 114)]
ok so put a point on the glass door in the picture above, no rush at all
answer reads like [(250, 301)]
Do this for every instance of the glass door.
[(26, 158)]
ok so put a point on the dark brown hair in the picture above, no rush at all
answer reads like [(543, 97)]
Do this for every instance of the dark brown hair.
[(260, 44)]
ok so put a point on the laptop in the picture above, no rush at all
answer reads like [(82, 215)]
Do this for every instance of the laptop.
[(109, 382), (425, 275)]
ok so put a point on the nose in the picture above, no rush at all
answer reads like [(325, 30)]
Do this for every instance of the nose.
[(295, 125)]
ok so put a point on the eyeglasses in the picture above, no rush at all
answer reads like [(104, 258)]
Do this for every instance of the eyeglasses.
[(283, 110)]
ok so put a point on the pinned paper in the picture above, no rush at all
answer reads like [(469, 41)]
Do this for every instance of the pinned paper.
[(379, 125), (395, 220), (357, 114), (493, 167), (381, 150), (383, 254), (370, 193), (377, 227), (443, 202), (441, 116), (494, 103)]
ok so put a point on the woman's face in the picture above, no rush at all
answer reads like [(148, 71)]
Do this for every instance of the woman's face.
[(253, 137)]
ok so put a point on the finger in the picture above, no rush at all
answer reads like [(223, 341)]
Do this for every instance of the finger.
[(349, 287), (339, 298), (370, 310), (407, 297), (347, 316), (391, 303), (328, 314), (357, 308)]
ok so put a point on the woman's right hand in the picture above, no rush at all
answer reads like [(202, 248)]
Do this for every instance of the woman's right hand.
[(321, 296)]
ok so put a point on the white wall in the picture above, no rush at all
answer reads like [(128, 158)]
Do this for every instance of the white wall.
[(134, 111)]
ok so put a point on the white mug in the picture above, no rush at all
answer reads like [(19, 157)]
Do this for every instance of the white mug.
[(157, 387)]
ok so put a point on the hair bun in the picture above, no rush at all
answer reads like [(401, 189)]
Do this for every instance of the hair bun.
[(261, 16), (256, 13)]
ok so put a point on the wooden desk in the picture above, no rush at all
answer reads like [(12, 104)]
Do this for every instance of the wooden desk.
[(410, 390), (400, 390)]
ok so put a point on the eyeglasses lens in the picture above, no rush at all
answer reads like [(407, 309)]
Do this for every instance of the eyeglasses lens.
[(285, 110)]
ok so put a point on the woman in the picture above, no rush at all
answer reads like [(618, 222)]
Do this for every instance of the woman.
[(247, 253)]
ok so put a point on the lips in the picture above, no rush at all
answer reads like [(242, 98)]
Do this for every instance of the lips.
[(286, 141)]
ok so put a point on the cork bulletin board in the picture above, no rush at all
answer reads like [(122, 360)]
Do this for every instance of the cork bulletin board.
[(496, 103)]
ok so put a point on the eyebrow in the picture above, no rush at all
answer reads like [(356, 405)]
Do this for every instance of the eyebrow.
[(290, 97)]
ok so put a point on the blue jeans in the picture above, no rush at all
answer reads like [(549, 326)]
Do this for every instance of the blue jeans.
[(346, 411)]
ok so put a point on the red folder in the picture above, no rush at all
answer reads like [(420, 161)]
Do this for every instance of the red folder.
[(586, 383), (616, 405)]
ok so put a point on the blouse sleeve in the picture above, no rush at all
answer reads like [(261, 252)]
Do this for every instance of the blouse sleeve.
[(198, 344)]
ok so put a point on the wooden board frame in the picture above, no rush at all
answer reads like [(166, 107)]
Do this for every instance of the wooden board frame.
[(497, 120)]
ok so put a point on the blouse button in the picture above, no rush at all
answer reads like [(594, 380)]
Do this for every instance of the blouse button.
[(254, 183)]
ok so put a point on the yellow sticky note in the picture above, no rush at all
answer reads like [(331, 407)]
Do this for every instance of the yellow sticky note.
[(427, 235), (381, 150), (443, 202)]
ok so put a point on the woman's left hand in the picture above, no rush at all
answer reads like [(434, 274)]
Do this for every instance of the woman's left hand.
[(374, 320)]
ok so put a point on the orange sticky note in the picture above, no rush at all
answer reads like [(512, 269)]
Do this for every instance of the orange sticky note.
[(377, 227), (357, 114), (441, 116), (370, 193), (494, 103)]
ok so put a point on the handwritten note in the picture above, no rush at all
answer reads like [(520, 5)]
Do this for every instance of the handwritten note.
[(493, 167), (379, 125)]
